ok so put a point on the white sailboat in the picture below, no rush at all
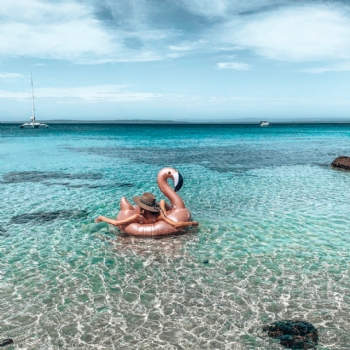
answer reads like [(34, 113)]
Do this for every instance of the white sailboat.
[(34, 124), (264, 123)]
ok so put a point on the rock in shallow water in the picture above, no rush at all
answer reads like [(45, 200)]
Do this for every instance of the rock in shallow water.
[(5, 342), (341, 162), (295, 334)]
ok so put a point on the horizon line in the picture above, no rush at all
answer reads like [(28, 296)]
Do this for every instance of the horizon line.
[(159, 122)]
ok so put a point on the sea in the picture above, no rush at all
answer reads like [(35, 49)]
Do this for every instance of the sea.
[(273, 241)]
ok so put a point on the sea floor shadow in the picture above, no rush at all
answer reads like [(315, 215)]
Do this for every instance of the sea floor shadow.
[(48, 216), (42, 176), (223, 159), (49, 178)]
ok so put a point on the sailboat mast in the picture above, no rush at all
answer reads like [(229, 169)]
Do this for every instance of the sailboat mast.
[(33, 106)]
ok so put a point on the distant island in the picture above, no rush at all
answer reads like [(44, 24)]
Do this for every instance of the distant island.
[(177, 122), (125, 121)]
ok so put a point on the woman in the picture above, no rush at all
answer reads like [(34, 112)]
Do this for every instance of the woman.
[(150, 212)]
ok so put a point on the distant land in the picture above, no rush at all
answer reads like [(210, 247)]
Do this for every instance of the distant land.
[(142, 121), (77, 121)]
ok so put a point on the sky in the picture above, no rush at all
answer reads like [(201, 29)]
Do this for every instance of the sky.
[(181, 60)]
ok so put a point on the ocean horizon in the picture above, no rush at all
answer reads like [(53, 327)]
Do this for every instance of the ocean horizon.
[(272, 244), (243, 122)]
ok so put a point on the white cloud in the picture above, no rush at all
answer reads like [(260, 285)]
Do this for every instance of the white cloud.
[(278, 31), (340, 67), (230, 48), (95, 93), (70, 30), (213, 9), (188, 46), (10, 75), (295, 34), (207, 8), (60, 30), (233, 65), (180, 47), (67, 30)]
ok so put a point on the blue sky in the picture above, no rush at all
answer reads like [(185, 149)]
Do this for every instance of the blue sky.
[(224, 60)]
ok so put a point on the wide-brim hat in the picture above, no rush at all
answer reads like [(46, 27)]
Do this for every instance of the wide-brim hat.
[(147, 201)]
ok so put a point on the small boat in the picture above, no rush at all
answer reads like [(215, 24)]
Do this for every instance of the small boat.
[(34, 124), (264, 123)]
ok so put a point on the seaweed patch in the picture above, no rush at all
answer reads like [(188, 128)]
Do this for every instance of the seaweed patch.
[(2, 231), (42, 176), (98, 186), (236, 159), (48, 216)]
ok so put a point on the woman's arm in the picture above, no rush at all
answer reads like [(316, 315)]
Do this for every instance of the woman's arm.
[(175, 224), (184, 224), (178, 224), (131, 219)]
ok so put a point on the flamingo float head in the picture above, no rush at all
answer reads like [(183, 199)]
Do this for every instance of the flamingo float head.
[(171, 173)]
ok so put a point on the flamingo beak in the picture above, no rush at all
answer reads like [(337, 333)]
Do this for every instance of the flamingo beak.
[(178, 181)]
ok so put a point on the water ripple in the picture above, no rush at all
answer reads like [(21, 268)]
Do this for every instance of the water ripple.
[(273, 241)]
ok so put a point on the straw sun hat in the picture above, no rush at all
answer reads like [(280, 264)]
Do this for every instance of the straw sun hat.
[(147, 201)]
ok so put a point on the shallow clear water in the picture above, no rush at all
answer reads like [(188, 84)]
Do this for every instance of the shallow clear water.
[(274, 227)]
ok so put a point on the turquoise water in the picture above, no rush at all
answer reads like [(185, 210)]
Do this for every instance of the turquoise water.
[(274, 227)]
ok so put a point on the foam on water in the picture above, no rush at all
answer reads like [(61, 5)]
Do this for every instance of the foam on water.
[(273, 241)]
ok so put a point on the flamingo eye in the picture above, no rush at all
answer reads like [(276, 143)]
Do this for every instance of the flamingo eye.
[(169, 172)]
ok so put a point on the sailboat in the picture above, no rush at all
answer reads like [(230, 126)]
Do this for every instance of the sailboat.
[(34, 124), (264, 123)]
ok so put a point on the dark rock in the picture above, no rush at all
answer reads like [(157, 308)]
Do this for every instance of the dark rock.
[(6, 342), (341, 162), (295, 334), (206, 261), (48, 216)]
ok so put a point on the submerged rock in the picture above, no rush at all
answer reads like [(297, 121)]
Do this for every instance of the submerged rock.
[(341, 162), (295, 334), (48, 216), (5, 342)]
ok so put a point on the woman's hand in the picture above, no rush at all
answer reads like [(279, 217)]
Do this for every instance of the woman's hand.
[(185, 224), (99, 219)]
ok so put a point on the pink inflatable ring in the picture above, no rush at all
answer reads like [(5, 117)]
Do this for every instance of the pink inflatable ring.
[(154, 219), (176, 211)]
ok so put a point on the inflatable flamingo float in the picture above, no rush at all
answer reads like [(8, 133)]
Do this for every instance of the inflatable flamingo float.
[(171, 218)]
